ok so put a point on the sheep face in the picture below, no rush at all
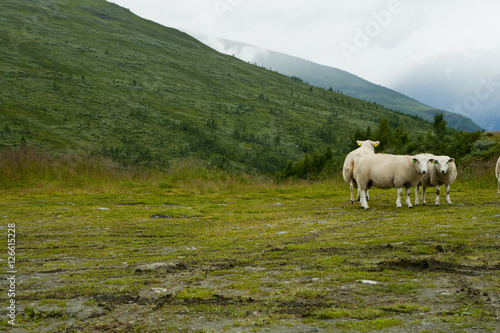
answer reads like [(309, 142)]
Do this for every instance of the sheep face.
[(442, 163), (421, 162)]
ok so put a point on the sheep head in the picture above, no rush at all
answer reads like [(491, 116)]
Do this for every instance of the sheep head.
[(421, 162), (442, 163)]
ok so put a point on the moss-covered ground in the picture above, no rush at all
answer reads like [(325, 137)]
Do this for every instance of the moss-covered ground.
[(242, 254)]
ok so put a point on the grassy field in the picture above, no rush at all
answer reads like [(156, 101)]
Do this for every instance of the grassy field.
[(195, 251)]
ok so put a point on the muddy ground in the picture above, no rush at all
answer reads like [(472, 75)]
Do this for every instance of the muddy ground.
[(274, 259)]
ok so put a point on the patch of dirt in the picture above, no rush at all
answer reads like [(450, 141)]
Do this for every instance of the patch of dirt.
[(161, 266), (167, 217), (434, 265), (130, 204), (110, 301)]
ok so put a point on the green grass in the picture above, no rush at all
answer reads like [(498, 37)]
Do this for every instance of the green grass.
[(249, 253)]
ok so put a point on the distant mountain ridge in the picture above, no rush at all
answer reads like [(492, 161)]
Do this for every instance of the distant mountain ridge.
[(337, 79)]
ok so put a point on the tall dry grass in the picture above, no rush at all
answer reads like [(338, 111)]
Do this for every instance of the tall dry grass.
[(478, 173), (30, 167)]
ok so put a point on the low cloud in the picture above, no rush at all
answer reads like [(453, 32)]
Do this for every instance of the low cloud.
[(247, 53)]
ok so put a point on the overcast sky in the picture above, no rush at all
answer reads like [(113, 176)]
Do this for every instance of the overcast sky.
[(376, 39)]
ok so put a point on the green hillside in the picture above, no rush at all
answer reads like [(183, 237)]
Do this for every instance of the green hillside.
[(92, 77)]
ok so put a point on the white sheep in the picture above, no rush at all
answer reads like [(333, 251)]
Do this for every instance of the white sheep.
[(442, 172), (497, 173), (386, 171), (366, 147), (417, 196)]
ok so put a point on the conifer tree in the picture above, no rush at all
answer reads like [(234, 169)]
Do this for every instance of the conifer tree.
[(384, 134)]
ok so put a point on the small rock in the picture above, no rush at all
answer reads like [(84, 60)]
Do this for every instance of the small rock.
[(159, 290), (159, 265), (282, 233), (367, 281), (159, 216), (257, 269), (103, 208)]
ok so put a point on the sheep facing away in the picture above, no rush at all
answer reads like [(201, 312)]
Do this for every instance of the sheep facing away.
[(365, 148), (497, 173), (442, 172), (386, 171)]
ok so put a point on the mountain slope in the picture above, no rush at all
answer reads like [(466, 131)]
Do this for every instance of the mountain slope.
[(338, 80), (93, 77)]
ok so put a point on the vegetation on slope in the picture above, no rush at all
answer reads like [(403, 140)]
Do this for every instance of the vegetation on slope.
[(465, 147), (93, 78)]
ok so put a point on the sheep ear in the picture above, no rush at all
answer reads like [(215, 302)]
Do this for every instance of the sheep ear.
[(451, 160), (359, 142), (415, 160), (376, 143)]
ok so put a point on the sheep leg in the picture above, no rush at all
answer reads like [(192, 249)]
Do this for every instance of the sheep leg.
[(362, 198), (408, 201), (398, 200), (498, 186), (367, 195), (352, 192), (424, 190), (416, 195), (438, 192), (448, 200)]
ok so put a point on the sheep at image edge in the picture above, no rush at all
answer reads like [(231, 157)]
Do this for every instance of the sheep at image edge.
[(497, 173)]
